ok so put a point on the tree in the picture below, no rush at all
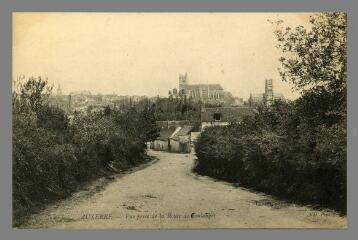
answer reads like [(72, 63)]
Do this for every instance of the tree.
[(52, 155), (107, 111), (317, 56), (36, 92), (315, 61), (292, 149)]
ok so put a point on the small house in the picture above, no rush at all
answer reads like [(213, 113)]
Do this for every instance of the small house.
[(180, 140), (162, 142)]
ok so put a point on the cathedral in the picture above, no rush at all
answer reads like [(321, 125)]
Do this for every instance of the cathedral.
[(213, 93)]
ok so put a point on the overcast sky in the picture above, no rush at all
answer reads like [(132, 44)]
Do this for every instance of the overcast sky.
[(143, 53)]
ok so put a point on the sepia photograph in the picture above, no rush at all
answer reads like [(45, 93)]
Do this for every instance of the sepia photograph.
[(178, 120)]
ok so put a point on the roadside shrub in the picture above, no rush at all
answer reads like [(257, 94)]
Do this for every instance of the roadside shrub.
[(275, 151), (53, 157)]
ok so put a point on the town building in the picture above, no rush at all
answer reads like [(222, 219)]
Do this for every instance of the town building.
[(223, 116)]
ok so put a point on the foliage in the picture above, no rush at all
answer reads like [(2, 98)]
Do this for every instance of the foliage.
[(316, 56), (297, 149), (176, 109), (275, 152), (53, 154)]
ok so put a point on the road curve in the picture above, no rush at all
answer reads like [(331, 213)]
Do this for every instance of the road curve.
[(167, 194)]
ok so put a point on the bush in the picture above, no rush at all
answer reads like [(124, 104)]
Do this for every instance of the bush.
[(274, 151), (52, 157), (296, 150)]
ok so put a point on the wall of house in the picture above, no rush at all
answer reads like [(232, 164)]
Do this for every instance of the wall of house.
[(186, 147), (176, 146), (160, 145)]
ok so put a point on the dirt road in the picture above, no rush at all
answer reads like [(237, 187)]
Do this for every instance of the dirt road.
[(167, 194)]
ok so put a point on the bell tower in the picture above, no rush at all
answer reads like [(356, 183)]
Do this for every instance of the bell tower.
[(268, 92), (183, 80)]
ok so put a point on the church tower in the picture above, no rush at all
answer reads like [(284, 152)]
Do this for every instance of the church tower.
[(183, 80), (268, 92)]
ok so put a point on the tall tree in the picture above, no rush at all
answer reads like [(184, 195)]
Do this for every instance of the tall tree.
[(316, 56), (315, 61), (36, 92)]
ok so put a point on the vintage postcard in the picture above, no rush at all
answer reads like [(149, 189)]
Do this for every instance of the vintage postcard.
[(179, 120)]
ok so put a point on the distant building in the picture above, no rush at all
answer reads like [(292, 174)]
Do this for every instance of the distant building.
[(267, 98), (238, 102), (212, 93), (167, 124), (256, 99), (223, 116), (83, 92)]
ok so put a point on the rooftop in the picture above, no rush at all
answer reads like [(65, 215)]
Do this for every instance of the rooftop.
[(166, 132), (227, 114), (185, 130)]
